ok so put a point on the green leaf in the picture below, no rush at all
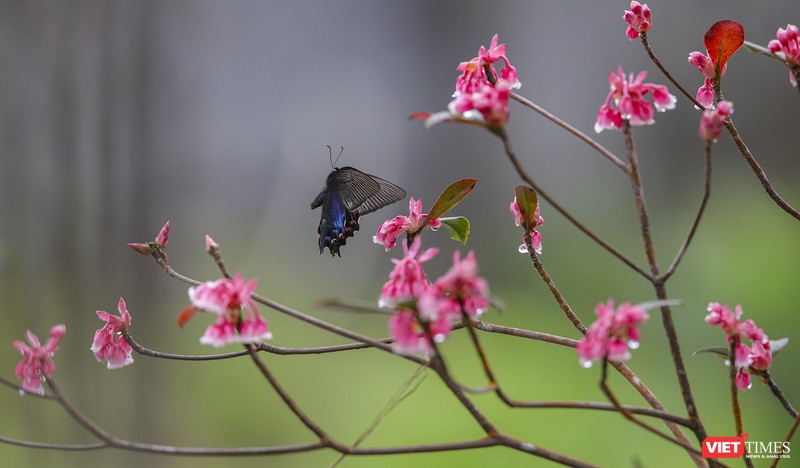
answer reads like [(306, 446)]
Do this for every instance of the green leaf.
[(458, 227), (449, 198), (527, 201), (721, 351)]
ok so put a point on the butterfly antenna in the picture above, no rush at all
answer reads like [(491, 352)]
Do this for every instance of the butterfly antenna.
[(340, 155), (330, 155)]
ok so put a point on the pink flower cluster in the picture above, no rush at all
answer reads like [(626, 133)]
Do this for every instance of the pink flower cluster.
[(787, 46), (109, 345), (639, 20), (610, 336), (459, 288), (37, 360), (757, 357), (407, 280), (389, 231), (239, 319), (713, 120), (536, 238), (485, 94), (628, 94), (705, 94), (436, 306)]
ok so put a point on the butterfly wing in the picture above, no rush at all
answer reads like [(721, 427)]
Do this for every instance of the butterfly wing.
[(348, 194), (320, 198), (363, 192), (386, 195)]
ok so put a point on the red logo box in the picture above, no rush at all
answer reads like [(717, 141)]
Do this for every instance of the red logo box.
[(724, 447)]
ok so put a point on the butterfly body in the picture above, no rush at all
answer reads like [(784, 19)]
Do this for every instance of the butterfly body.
[(348, 194)]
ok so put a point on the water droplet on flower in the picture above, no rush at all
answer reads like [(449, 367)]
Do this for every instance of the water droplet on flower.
[(479, 311), (439, 337), (586, 364), (633, 344), (523, 248)]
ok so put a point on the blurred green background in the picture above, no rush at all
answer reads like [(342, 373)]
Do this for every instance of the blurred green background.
[(117, 116)]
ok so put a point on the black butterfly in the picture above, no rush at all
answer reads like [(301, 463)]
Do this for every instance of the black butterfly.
[(348, 194)]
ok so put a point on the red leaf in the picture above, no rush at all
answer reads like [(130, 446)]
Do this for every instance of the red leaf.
[(186, 315), (722, 40), (419, 116)]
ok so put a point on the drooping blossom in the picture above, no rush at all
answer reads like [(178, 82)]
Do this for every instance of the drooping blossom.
[(37, 360), (610, 336), (461, 287), (706, 93), (536, 238), (389, 231), (757, 357), (713, 120), (483, 92), (239, 319), (638, 18), (409, 335), (629, 103), (787, 47), (490, 102), (108, 344), (407, 280)]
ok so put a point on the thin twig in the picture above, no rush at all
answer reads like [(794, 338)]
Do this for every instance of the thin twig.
[(776, 390), (296, 314), (660, 289), (524, 333), (324, 438), (16, 387), (620, 366), (786, 441), (528, 180), (745, 152), (49, 446), (667, 74), (706, 195), (494, 385), (581, 136), (758, 171), (638, 195), (630, 417), (735, 408), (115, 442), (439, 366), (560, 299), (272, 349)]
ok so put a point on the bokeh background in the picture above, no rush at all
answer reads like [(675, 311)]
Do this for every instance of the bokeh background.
[(119, 115)]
